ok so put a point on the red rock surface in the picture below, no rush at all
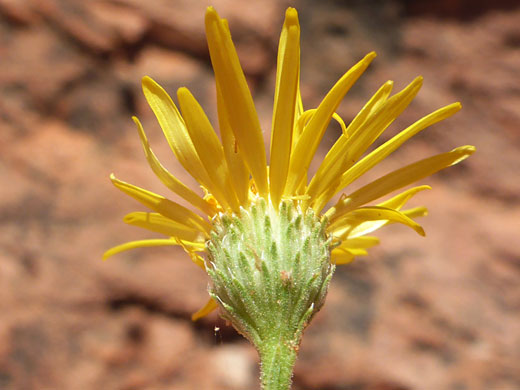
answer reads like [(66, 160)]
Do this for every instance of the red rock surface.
[(434, 313)]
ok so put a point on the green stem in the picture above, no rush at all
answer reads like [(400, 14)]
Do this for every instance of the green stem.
[(277, 362)]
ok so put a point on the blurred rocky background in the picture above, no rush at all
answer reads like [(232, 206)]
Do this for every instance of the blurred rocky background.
[(441, 312)]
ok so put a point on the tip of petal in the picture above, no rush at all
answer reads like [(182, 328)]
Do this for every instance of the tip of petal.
[(197, 316), (211, 15), (370, 56), (146, 80), (387, 87), (423, 187), (183, 92), (115, 181), (204, 311), (465, 151), (420, 230), (418, 81), (291, 17), (416, 212), (452, 108), (149, 84), (140, 131), (128, 218)]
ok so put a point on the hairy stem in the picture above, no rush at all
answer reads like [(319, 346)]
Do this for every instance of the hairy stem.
[(277, 362)]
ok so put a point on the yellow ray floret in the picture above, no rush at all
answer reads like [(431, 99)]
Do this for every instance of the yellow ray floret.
[(163, 225), (174, 129), (399, 179), (376, 156), (209, 149), (362, 137), (151, 243), (313, 132), (234, 158), (285, 102), (168, 179), (374, 213), (163, 206), (396, 203), (205, 310), (236, 98), (335, 162)]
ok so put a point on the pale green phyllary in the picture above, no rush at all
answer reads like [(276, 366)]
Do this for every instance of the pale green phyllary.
[(260, 231), (270, 271)]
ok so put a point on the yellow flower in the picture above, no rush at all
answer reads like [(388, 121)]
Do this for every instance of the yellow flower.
[(233, 170)]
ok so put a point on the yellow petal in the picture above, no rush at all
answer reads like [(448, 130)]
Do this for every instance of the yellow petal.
[(237, 98), (297, 130), (237, 167), (209, 149), (174, 129), (369, 130), (398, 179), (360, 242), (416, 212), (157, 223), (299, 125), (301, 121), (291, 19), (369, 227), (360, 230), (391, 145), (204, 311), (340, 256), (197, 259), (163, 206), (285, 103), (333, 165), (299, 103), (149, 243), (374, 213), (400, 199), (354, 251), (168, 179), (396, 202), (312, 134), (371, 108), (362, 137), (350, 248)]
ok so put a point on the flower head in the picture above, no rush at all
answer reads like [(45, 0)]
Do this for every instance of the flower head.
[(257, 222)]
